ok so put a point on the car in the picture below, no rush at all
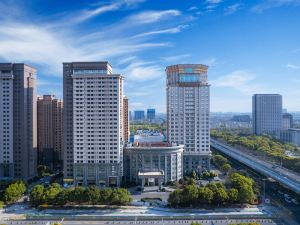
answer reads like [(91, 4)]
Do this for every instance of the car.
[(295, 201), (267, 200)]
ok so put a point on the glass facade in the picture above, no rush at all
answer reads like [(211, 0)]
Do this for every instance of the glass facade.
[(79, 71), (188, 78)]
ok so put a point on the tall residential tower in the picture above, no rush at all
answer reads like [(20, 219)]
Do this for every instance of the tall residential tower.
[(49, 127), (18, 127), (188, 112), (93, 124)]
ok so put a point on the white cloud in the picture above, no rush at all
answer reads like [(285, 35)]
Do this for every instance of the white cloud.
[(239, 80), (232, 8), (209, 61), (86, 14), (176, 58), (268, 4), (192, 8), (173, 30), (292, 66), (213, 1), (143, 71), (153, 16)]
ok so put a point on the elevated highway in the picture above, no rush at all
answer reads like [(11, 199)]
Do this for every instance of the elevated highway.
[(285, 177)]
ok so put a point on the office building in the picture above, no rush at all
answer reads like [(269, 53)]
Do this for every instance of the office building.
[(18, 123), (49, 129), (267, 114), (126, 132), (188, 111), (153, 163), (291, 135), (287, 121), (93, 124), (150, 114), (139, 115)]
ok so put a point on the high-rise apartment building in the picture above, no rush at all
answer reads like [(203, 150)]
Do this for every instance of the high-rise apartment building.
[(93, 123), (18, 128), (188, 113), (139, 115), (150, 114), (125, 119), (267, 114), (49, 127)]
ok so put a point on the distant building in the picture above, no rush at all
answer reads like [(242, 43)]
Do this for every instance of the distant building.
[(287, 121), (130, 115), (125, 120), (153, 163), (291, 135), (49, 128), (146, 136), (18, 123), (150, 114), (139, 115), (241, 118), (267, 114), (188, 114), (93, 120)]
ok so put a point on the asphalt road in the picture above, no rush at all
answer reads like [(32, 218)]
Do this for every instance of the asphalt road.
[(145, 222), (281, 175)]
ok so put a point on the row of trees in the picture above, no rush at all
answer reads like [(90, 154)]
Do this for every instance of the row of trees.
[(221, 163), (55, 195), (14, 191), (239, 190), (261, 144)]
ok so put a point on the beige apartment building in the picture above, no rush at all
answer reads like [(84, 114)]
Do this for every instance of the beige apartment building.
[(126, 131), (49, 131)]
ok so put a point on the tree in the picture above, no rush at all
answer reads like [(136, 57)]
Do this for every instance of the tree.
[(63, 197), (220, 195), (219, 160), (175, 198), (205, 195), (78, 195), (51, 192), (194, 175), (93, 194), (36, 196), (246, 194), (189, 195), (105, 195), (120, 196), (226, 168), (233, 195), (244, 185), (14, 191)]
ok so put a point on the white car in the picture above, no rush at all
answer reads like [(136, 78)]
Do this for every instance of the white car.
[(295, 201)]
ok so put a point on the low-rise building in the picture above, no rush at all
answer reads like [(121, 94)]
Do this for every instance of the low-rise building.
[(153, 163)]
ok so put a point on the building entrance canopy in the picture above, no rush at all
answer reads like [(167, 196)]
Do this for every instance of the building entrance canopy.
[(152, 175)]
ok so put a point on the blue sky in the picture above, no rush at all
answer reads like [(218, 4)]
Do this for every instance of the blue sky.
[(249, 46)]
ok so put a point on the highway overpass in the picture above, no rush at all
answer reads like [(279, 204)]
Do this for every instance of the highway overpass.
[(285, 177)]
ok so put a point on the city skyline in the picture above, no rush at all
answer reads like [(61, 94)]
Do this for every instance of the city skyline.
[(141, 38)]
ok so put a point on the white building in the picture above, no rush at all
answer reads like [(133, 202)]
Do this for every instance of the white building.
[(97, 114), (188, 109), (267, 114)]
